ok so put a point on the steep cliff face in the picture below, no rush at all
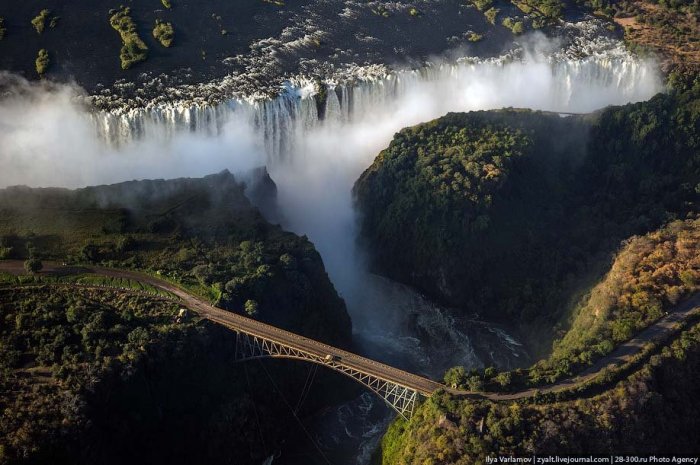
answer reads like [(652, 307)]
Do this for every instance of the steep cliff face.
[(203, 233), (80, 366), (511, 213), (454, 204), (654, 411)]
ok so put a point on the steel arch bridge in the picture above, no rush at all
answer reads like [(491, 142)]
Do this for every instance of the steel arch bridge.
[(401, 398)]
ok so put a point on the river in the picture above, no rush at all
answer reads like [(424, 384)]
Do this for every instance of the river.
[(314, 149)]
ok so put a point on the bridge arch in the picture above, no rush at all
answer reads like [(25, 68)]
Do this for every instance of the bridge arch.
[(401, 398)]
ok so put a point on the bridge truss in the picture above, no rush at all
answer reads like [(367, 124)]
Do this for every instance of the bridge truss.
[(401, 398)]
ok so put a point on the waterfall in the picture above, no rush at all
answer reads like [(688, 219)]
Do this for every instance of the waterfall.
[(555, 83)]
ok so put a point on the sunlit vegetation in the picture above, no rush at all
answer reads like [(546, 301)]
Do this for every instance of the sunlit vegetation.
[(523, 6), (520, 214), (514, 25), (42, 62), (167, 4), (222, 250), (482, 5), (414, 11), (549, 9), (657, 408), (80, 363), (474, 37), (667, 28), (133, 50), (517, 215), (491, 14), (164, 33), (540, 12), (39, 22), (649, 277)]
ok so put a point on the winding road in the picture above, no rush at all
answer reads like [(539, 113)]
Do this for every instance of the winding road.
[(622, 354)]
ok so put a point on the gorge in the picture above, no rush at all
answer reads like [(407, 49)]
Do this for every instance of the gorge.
[(315, 139)]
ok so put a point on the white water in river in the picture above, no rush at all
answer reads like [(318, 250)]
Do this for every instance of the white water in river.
[(548, 83), (315, 162)]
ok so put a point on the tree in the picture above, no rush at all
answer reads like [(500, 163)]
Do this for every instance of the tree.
[(456, 376), (251, 307), (39, 22), (504, 379), (491, 14), (164, 33), (33, 265), (42, 62), (475, 383)]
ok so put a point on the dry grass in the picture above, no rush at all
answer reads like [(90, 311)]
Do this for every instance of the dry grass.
[(673, 35)]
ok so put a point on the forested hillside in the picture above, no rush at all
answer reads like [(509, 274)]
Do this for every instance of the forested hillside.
[(514, 214), (648, 405), (651, 276), (654, 411), (202, 233), (112, 376), (582, 228)]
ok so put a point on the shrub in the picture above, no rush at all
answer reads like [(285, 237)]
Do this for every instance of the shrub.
[(33, 265), (39, 22), (504, 379), (164, 33), (515, 26), (3, 30), (42, 62), (251, 307), (134, 50), (456, 377), (482, 5), (491, 14), (475, 383)]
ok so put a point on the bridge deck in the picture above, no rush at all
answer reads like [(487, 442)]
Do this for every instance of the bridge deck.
[(256, 328), (623, 353)]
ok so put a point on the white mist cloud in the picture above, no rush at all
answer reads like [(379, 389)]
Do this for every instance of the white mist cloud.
[(48, 140), (315, 187)]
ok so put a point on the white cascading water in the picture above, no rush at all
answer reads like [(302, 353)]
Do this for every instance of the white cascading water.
[(315, 160), (563, 84), (45, 140)]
